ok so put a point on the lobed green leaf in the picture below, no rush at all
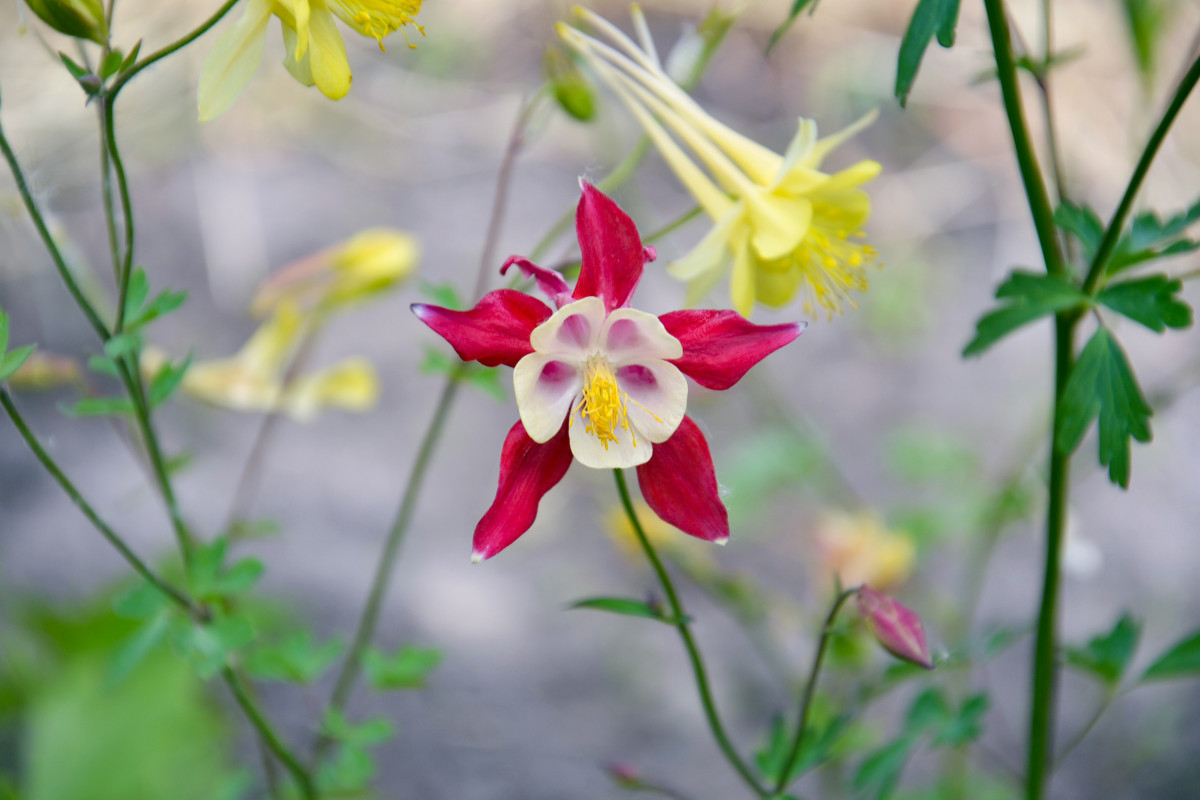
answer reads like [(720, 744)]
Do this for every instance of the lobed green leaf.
[(1152, 301), (1103, 384), (167, 380), (407, 668), (297, 659), (1108, 656), (1182, 660), (625, 606), (931, 17), (1027, 296), (99, 407)]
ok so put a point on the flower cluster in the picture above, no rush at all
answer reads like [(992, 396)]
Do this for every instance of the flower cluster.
[(782, 226), (602, 383)]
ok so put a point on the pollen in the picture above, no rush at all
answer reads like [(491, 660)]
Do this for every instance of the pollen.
[(603, 406), (378, 18)]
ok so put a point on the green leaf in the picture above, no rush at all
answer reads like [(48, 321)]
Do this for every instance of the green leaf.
[(1108, 656), (136, 292), (966, 726), (1181, 661), (167, 380), (1153, 301), (1146, 20), (207, 647), (3, 333), (444, 294), (104, 366), (879, 773), (1028, 296), (486, 379), (13, 360), (347, 774), (211, 580), (373, 731), (1083, 223), (929, 713), (407, 668), (626, 607), (797, 7), (296, 659), (163, 303), (122, 345), (99, 407), (131, 59), (135, 650), (930, 17), (141, 601), (111, 64), (1102, 383), (1150, 237)]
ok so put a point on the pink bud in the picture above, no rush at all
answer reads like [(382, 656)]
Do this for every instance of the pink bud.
[(624, 774), (897, 628)]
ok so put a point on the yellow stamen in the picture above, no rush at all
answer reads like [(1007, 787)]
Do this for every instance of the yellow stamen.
[(603, 404), (378, 18), (831, 259)]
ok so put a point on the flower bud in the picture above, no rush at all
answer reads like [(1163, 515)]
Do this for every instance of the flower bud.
[(45, 371), (571, 89), (83, 19), (624, 775), (895, 627)]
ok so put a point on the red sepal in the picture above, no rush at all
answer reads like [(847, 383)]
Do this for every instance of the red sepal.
[(551, 282), (679, 483), (612, 252), (494, 332), (527, 471), (719, 347)]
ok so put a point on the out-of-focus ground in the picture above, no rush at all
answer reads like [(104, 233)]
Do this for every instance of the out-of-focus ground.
[(531, 699)]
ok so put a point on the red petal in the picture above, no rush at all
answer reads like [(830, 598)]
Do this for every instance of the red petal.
[(549, 281), (527, 471), (719, 347), (494, 332), (678, 482), (613, 255)]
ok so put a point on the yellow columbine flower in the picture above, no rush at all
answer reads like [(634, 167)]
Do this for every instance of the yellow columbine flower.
[(789, 227), (364, 265), (316, 54), (859, 548), (256, 380)]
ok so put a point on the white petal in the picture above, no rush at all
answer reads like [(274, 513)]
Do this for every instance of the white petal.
[(571, 332), (657, 398), (632, 336), (621, 454), (545, 387)]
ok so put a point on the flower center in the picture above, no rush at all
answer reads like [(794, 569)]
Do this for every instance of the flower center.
[(603, 405), (832, 259), (378, 18)]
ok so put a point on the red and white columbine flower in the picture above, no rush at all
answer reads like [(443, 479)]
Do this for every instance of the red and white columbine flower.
[(601, 382)]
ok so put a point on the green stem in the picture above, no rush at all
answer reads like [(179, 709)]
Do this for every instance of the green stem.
[(158, 55), (178, 597), (1112, 234), (1031, 174), (1045, 669), (110, 139), (39, 222), (673, 225), (106, 194), (810, 690), (268, 734), (680, 621)]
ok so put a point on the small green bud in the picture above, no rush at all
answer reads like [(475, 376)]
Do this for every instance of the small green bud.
[(571, 89), (83, 19)]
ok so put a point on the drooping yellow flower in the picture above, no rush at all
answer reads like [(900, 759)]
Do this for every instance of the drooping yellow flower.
[(859, 548), (316, 54), (364, 265), (782, 226), (256, 379), (46, 371)]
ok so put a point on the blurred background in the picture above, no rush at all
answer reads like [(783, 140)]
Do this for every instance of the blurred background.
[(872, 411)]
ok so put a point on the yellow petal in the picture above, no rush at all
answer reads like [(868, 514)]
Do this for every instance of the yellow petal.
[(269, 349), (297, 66), (824, 147), (853, 175), (229, 66), (741, 283), (352, 385), (372, 261), (776, 288), (710, 253), (779, 223), (330, 68)]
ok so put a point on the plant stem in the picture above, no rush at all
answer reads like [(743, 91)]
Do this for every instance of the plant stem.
[(178, 597), (810, 689), (1031, 174), (39, 222), (1045, 668), (1067, 750), (680, 621), (158, 55), (108, 132), (268, 734), (1112, 234)]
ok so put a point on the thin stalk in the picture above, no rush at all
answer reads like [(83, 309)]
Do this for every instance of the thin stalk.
[(680, 621), (108, 131), (1112, 234), (810, 690), (106, 194), (673, 225), (48, 463), (178, 44), (39, 222), (1084, 731), (1031, 174), (268, 735), (1045, 669)]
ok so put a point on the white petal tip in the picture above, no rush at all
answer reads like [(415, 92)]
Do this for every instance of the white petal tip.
[(477, 557), (721, 542)]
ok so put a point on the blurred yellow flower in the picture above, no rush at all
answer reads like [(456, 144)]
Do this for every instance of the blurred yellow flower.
[(691, 553), (255, 379), (859, 548), (367, 263), (782, 226), (46, 371), (316, 54)]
